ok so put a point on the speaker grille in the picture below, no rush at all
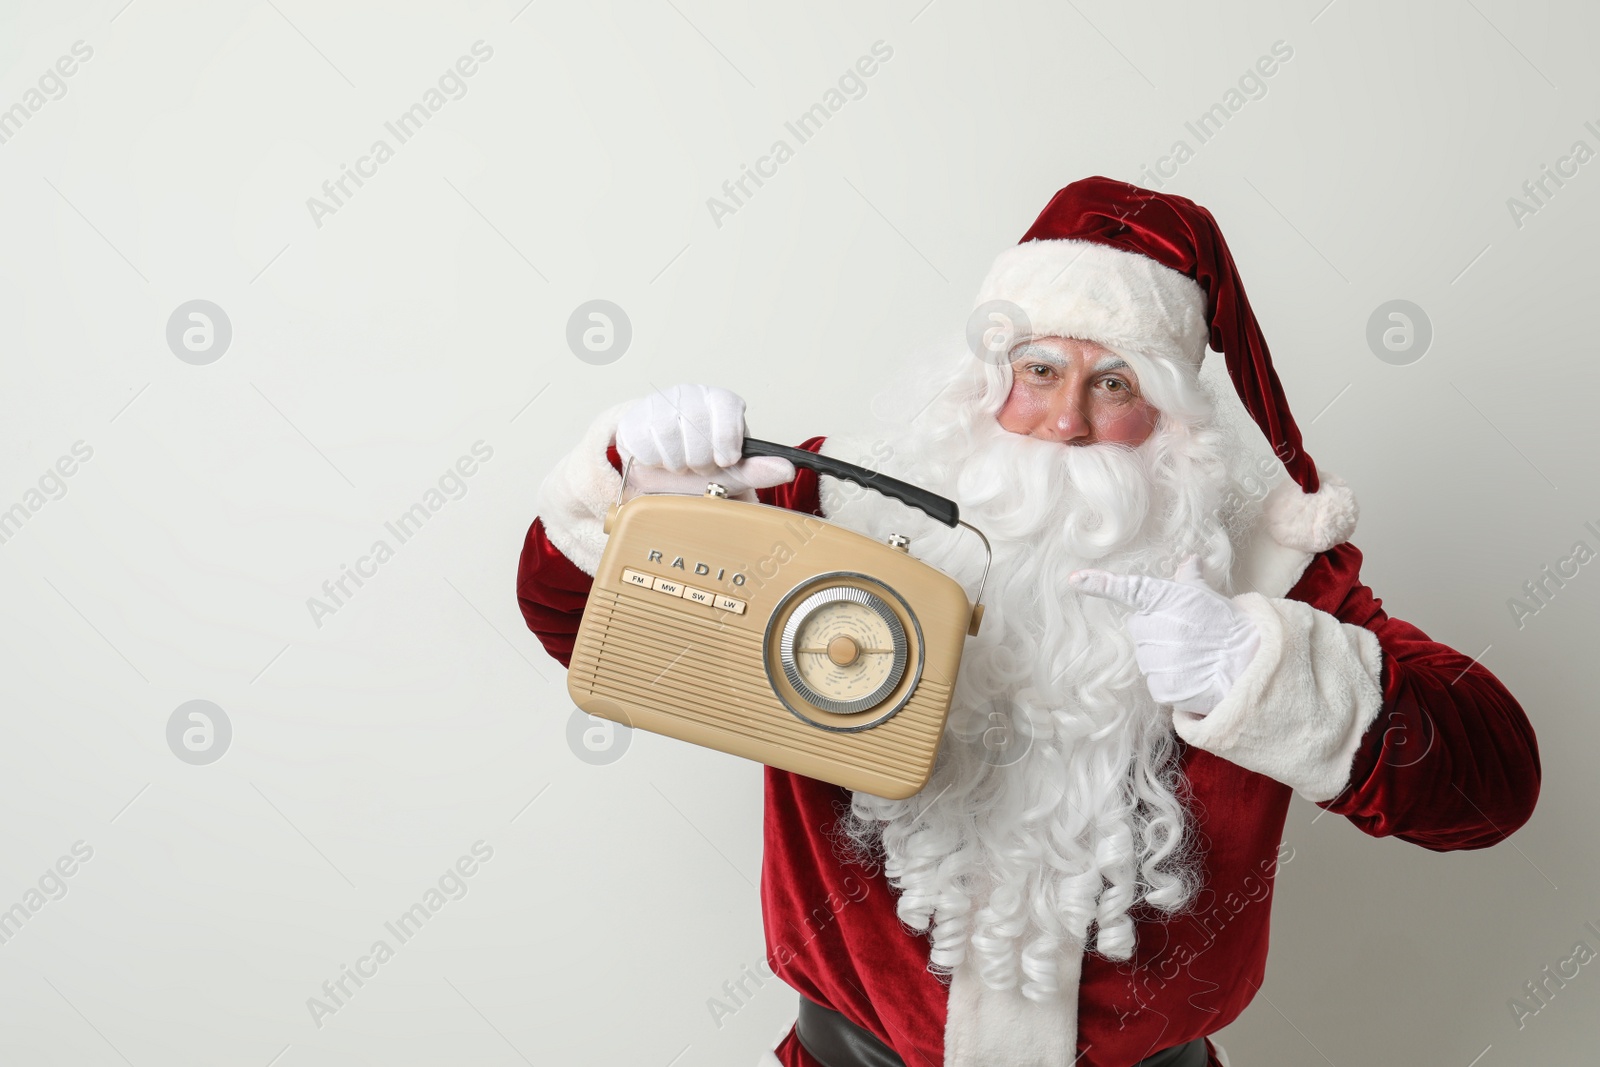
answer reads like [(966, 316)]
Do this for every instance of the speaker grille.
[(687, 675)]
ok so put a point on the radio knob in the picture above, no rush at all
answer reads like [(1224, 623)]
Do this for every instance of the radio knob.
[(843, 651), (715, 490), (900, 541)]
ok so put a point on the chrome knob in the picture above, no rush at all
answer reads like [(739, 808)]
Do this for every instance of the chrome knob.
[(899, 541), (716, 490)]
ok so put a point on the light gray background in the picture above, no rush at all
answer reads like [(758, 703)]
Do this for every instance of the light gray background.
[(429, 313)]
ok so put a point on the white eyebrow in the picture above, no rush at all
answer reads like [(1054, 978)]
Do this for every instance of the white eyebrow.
[(1039, 353)]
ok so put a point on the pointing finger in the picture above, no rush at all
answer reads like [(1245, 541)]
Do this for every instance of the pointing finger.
[(1137, 591)]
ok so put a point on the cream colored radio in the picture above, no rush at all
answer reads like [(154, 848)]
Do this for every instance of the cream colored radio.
[(776, 635)]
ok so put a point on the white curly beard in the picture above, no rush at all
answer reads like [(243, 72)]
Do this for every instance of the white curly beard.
[(1055, 804)]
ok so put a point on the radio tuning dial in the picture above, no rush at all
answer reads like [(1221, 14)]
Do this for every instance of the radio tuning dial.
[(842, 649)]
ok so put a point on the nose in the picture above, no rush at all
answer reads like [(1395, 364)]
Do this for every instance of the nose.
[(1067, 421)]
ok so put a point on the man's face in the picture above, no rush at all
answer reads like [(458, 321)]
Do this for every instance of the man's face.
[(1075, 392)]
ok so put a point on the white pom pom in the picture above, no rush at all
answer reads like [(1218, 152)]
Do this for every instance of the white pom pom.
[(1312, 522)]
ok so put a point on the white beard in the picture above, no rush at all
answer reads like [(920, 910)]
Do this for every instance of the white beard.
[(1054, 807)]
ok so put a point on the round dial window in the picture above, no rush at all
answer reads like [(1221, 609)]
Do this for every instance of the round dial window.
[(843, 649)]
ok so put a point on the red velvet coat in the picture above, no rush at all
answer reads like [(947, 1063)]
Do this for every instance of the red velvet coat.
[(1449, 763)]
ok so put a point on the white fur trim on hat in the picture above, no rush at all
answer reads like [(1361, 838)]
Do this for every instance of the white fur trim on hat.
[(1094, 292), (1312, 522)]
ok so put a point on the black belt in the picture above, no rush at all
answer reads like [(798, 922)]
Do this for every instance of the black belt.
[(834, 1041)]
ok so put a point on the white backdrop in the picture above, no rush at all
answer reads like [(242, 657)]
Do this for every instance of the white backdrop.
[(412, 730)]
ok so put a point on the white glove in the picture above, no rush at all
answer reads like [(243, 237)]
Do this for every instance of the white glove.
[(1191, 642), (685, 436)]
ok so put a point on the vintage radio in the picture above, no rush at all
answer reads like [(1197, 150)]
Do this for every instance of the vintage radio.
[(776, 635)]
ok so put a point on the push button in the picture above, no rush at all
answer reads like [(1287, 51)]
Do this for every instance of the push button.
[(705, 597)]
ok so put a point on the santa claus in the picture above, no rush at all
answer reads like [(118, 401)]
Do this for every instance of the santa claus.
[(1168, 651)]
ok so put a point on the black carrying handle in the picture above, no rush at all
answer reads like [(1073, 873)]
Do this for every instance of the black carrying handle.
[(934, 505)]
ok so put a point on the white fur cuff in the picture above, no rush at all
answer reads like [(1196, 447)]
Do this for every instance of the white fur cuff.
[(575, 495), (1298, 713)]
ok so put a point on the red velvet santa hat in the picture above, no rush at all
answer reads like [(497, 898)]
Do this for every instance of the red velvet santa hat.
[(1148, 272)]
